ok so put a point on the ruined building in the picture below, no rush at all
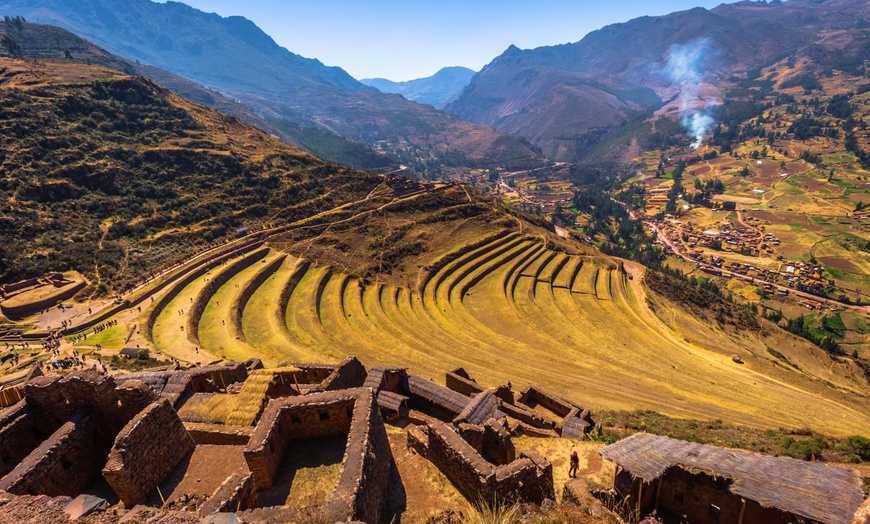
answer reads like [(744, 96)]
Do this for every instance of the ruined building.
[(217, 440)]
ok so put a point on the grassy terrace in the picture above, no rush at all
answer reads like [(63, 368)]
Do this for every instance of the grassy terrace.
[(508, 309)]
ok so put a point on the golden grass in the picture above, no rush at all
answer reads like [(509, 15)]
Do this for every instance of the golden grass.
[(605, 354), (213, 409), (253, 396), (111, 338), (558, 451), (217, 331)]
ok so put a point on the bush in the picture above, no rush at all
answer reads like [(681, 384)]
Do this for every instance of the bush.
[(804, 449), (856, 445)]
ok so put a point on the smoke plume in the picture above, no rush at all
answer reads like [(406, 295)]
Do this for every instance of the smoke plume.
[(685, 68)]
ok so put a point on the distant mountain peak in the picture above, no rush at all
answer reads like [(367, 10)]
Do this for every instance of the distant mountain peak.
[(434, 90)]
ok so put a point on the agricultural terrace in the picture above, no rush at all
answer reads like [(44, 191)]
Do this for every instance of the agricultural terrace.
[(794, 167), (506, 308)]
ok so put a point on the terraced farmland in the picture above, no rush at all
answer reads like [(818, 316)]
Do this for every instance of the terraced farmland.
[(507, 308)]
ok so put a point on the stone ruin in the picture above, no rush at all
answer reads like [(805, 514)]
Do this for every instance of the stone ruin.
[(130, 437)]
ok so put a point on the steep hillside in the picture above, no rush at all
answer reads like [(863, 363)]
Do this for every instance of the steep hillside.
[(117, 176), (783, 179), (235, 57), (434, 90), (37, 41), (613, 73)]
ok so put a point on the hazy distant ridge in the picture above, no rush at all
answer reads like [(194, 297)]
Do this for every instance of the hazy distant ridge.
[(232, 55), (434, 90)]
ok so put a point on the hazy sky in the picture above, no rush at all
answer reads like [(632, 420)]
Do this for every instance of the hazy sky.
[(407, 39)]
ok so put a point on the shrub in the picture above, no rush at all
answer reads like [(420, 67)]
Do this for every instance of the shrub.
[(856, 445)]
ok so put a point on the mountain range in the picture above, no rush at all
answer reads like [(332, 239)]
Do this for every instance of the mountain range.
[(434, 90), (233, 56), (563, 97), (557, 100)]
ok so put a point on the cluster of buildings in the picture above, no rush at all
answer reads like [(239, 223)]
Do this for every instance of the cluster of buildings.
[(141, 436)]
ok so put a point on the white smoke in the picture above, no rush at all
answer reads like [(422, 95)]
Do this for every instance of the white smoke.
[(685, 67)]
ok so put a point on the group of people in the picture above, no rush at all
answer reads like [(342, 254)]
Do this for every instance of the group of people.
[(52, 342), (67, 362), (14, 359), (104, 326)]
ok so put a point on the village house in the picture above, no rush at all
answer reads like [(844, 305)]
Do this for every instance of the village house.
[(703, 484)]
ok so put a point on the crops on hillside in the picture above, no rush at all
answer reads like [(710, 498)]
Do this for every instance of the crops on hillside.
[(507, 309)]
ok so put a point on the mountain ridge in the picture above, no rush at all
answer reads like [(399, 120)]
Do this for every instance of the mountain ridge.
[(434, 90), (220, 54), (524, 92), (37, 41)]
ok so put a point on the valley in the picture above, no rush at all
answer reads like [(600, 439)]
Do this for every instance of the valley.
[(619, 252)]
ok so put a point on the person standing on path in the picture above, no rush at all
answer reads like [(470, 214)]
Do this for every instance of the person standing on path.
[(575, 463)]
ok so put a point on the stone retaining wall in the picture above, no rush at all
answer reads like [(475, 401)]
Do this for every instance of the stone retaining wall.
[(250, 288), (62, 293), (214, 284), (218, 434), (194, 273)]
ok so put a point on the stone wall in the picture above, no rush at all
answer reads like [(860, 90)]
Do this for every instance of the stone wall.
[(705, 499), (63, 464), (218, 434), (285, 419), (22, 429), (235, 494), (367, 464), (459, 381), (202, 380), (217, 378), (553, 403), (311, 373), (365, 476), (529, 417), (349, 374), (460, 462), (146, 451), (527, 479), (435, 399), (392, 379), (498, 447)]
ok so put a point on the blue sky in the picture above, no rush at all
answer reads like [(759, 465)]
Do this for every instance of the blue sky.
[(407, 39)]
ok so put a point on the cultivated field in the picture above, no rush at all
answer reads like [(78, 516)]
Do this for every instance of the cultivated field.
[(506, 308)]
